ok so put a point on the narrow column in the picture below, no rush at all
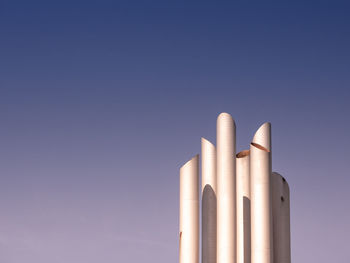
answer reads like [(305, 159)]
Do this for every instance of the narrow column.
[(208, 202), (226, 189), (281, 219), (243, 206), (261, 208), (189, 212)]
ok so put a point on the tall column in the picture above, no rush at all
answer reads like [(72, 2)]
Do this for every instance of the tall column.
[(226, 189), (281, 219), (243, 206), (261, 208), (189, 212), (208, 202)]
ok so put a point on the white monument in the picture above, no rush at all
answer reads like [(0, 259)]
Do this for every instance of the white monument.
[(245, 206)]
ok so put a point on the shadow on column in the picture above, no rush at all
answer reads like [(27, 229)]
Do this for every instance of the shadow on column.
[(246, 229), (208, 225)]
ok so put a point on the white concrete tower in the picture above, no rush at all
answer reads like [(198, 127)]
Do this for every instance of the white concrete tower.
[(243, 206), (281, 219), (260, 193), (226, 189), (189, 212), (208, 202)]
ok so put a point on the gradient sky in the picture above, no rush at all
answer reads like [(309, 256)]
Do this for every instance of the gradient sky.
[(102, 102)]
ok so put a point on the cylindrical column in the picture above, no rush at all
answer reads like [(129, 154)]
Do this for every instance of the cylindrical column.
[(208, 202), (243, 206), (226, 189), (189, 212), (260, 193), (281, 219)]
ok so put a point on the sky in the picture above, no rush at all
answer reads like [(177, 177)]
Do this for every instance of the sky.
[(102, 102)]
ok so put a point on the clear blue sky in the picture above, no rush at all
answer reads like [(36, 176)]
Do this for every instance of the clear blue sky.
[(102, 102)]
